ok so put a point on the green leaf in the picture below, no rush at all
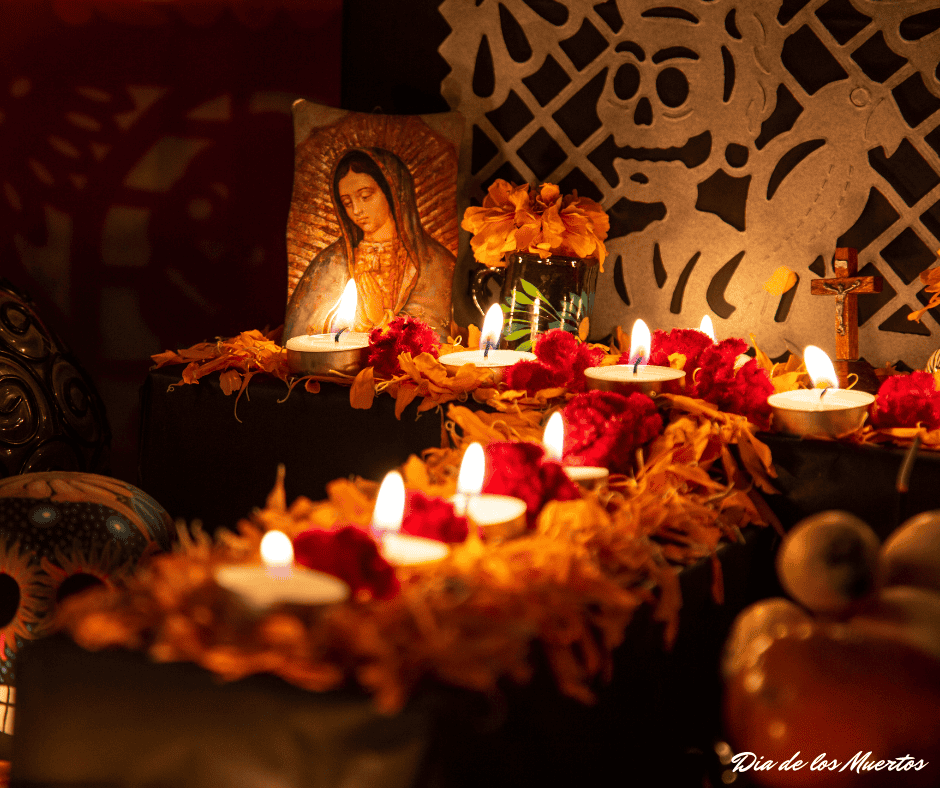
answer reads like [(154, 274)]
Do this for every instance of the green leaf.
[(522, 298), (527, 345), (518, 334), (531, 289)]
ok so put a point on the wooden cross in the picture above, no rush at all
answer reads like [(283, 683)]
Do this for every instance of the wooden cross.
[(846, 287)]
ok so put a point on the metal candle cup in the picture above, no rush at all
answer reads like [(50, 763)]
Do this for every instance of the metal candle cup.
[(262, 588), (625, 379), (587, 477), (808, 413), (496, 517), (324, 354), (405, 550), (496, 360)]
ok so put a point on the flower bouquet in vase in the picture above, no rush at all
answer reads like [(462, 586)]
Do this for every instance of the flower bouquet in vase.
[(546, 250)]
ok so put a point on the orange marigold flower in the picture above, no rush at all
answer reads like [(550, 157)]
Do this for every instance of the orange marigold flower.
[(543, 221)]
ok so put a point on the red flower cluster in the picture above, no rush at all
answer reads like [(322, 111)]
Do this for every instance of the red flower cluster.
[(403, 335), (349, 554), (710, 374), (602, 428), (518, 468), (432, 518), (907, 401), (743, 391), (690, 342), (562, 360)]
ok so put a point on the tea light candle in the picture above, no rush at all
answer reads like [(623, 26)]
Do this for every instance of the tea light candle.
[(624, 378), (488, 356), (342, 351), (553, 439), (279, 580), (400, 549), (492, 517), (825, 411)]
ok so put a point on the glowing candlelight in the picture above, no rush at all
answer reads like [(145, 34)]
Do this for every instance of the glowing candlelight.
[(640, 342), (277, 552), (341, 351), (826, 410), (820, 368), (553, 439), (706, 327), (492, 329), (389, 504), (345, 309), (470, 478), (279, 580), (398, 548)]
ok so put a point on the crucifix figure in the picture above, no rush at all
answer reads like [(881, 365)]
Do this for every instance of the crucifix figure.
[(846, 286)]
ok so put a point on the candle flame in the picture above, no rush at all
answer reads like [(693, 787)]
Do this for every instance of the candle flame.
[(389, 504), (472, 471), (706, 327), (553, 438), (276, 550), (345, 314), (492, 327), (820, 368), (640, 341)]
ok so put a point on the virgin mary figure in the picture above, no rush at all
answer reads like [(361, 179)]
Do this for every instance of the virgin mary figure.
[(397, 266)]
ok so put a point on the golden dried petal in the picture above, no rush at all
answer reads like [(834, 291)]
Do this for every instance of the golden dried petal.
[(362, 391)]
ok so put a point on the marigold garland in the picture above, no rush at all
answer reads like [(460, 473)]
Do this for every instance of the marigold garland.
[(572, 583)]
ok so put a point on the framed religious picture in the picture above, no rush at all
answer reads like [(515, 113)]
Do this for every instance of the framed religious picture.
[(374, 201)]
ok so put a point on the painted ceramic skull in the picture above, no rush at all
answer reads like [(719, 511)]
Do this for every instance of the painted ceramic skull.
[(61, 532)]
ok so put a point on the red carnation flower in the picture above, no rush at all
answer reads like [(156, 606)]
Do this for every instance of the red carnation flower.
[(690, 342), (432, 518), (349, 554), (532, 376), (602, 428), (404, 334), (518, 468), (907, 401), (562, 359), (743, 391)]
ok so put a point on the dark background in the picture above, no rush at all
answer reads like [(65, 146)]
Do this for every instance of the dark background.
[(146, 159)]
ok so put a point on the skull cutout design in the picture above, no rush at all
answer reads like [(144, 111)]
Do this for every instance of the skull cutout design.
[(60, 533), (649, 103)]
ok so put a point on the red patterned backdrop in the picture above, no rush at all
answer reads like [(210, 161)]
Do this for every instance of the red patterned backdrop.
[(146, 157)]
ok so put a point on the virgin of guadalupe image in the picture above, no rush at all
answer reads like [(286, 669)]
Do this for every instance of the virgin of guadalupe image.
[(397, 266)]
